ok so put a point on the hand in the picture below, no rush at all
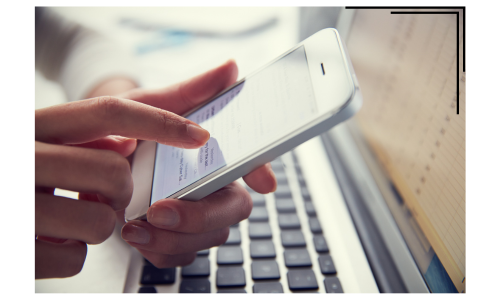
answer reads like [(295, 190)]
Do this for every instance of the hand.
[(177, 229), (97, 166)]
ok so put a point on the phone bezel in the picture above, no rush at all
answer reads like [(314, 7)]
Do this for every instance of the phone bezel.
[(323, 47)]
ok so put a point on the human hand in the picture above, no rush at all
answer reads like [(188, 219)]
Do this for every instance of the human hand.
[(75, 150), (177, 229)]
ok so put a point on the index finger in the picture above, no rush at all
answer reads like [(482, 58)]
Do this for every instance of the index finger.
[(91, 119)]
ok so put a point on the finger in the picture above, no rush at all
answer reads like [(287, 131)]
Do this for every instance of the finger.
[(59, 260), (168, 261), (220, 209), (121, 145), (262, 180), (50, 239), (182, 97), (63, 218), (85, 170), (88, 197), (46, 190), (88, 120), (142, 235)]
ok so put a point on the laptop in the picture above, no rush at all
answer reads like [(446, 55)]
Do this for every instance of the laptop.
[(377, 204)]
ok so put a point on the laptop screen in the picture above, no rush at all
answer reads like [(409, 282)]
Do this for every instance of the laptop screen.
[(408, 69)]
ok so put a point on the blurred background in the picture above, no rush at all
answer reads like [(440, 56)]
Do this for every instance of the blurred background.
[(162, 46)]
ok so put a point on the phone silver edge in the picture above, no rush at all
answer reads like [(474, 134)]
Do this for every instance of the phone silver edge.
[(143, 175)]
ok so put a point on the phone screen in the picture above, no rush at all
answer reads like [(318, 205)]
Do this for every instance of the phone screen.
[(264, 107)]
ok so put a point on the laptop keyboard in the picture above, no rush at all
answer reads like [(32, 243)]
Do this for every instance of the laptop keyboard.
[(282, 239)]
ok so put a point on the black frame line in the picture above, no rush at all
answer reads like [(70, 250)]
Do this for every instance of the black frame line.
[(430, 13)]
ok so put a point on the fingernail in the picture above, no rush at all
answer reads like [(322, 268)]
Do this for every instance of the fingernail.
[(135, 234), (198, 134), (163, 216)]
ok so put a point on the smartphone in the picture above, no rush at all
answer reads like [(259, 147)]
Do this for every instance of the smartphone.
[(299, 95)]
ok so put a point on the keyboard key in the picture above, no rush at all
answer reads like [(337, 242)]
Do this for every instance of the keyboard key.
[(310, 210), (292, 238), (147, 289), (302, 280), (267, 287), (258, 199), (193, 285), (283, 191), (231, 291), (259, 214), (326, 265), (234, 237), (285, 205), (332, 285), (262, 249), (229, 255), (199, 267), (153, 275), (320, 243), (203, 252), (305, 193), (281, 178), (314, 225), (259, 231), (230, 277), (288, 221), (265, 269), (297, 258), (301, 179)]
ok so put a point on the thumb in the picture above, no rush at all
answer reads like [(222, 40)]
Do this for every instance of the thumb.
[(182, 97)]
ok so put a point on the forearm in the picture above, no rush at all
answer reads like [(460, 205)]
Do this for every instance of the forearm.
[(83, 61)]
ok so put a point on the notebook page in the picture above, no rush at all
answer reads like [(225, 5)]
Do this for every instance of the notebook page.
[(407, 68)]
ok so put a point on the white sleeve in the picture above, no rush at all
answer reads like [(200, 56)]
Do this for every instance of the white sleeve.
[(76, 57)]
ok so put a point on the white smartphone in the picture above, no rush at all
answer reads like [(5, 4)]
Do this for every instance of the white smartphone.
[(295, 97)]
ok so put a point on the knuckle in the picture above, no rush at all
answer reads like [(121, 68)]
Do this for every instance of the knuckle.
[(170, 123), (208, 219), (236, 210), (174, 245), (245, 203), (102, 224), (204, 220), (165, 121), (107, 106), (118, 175)]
